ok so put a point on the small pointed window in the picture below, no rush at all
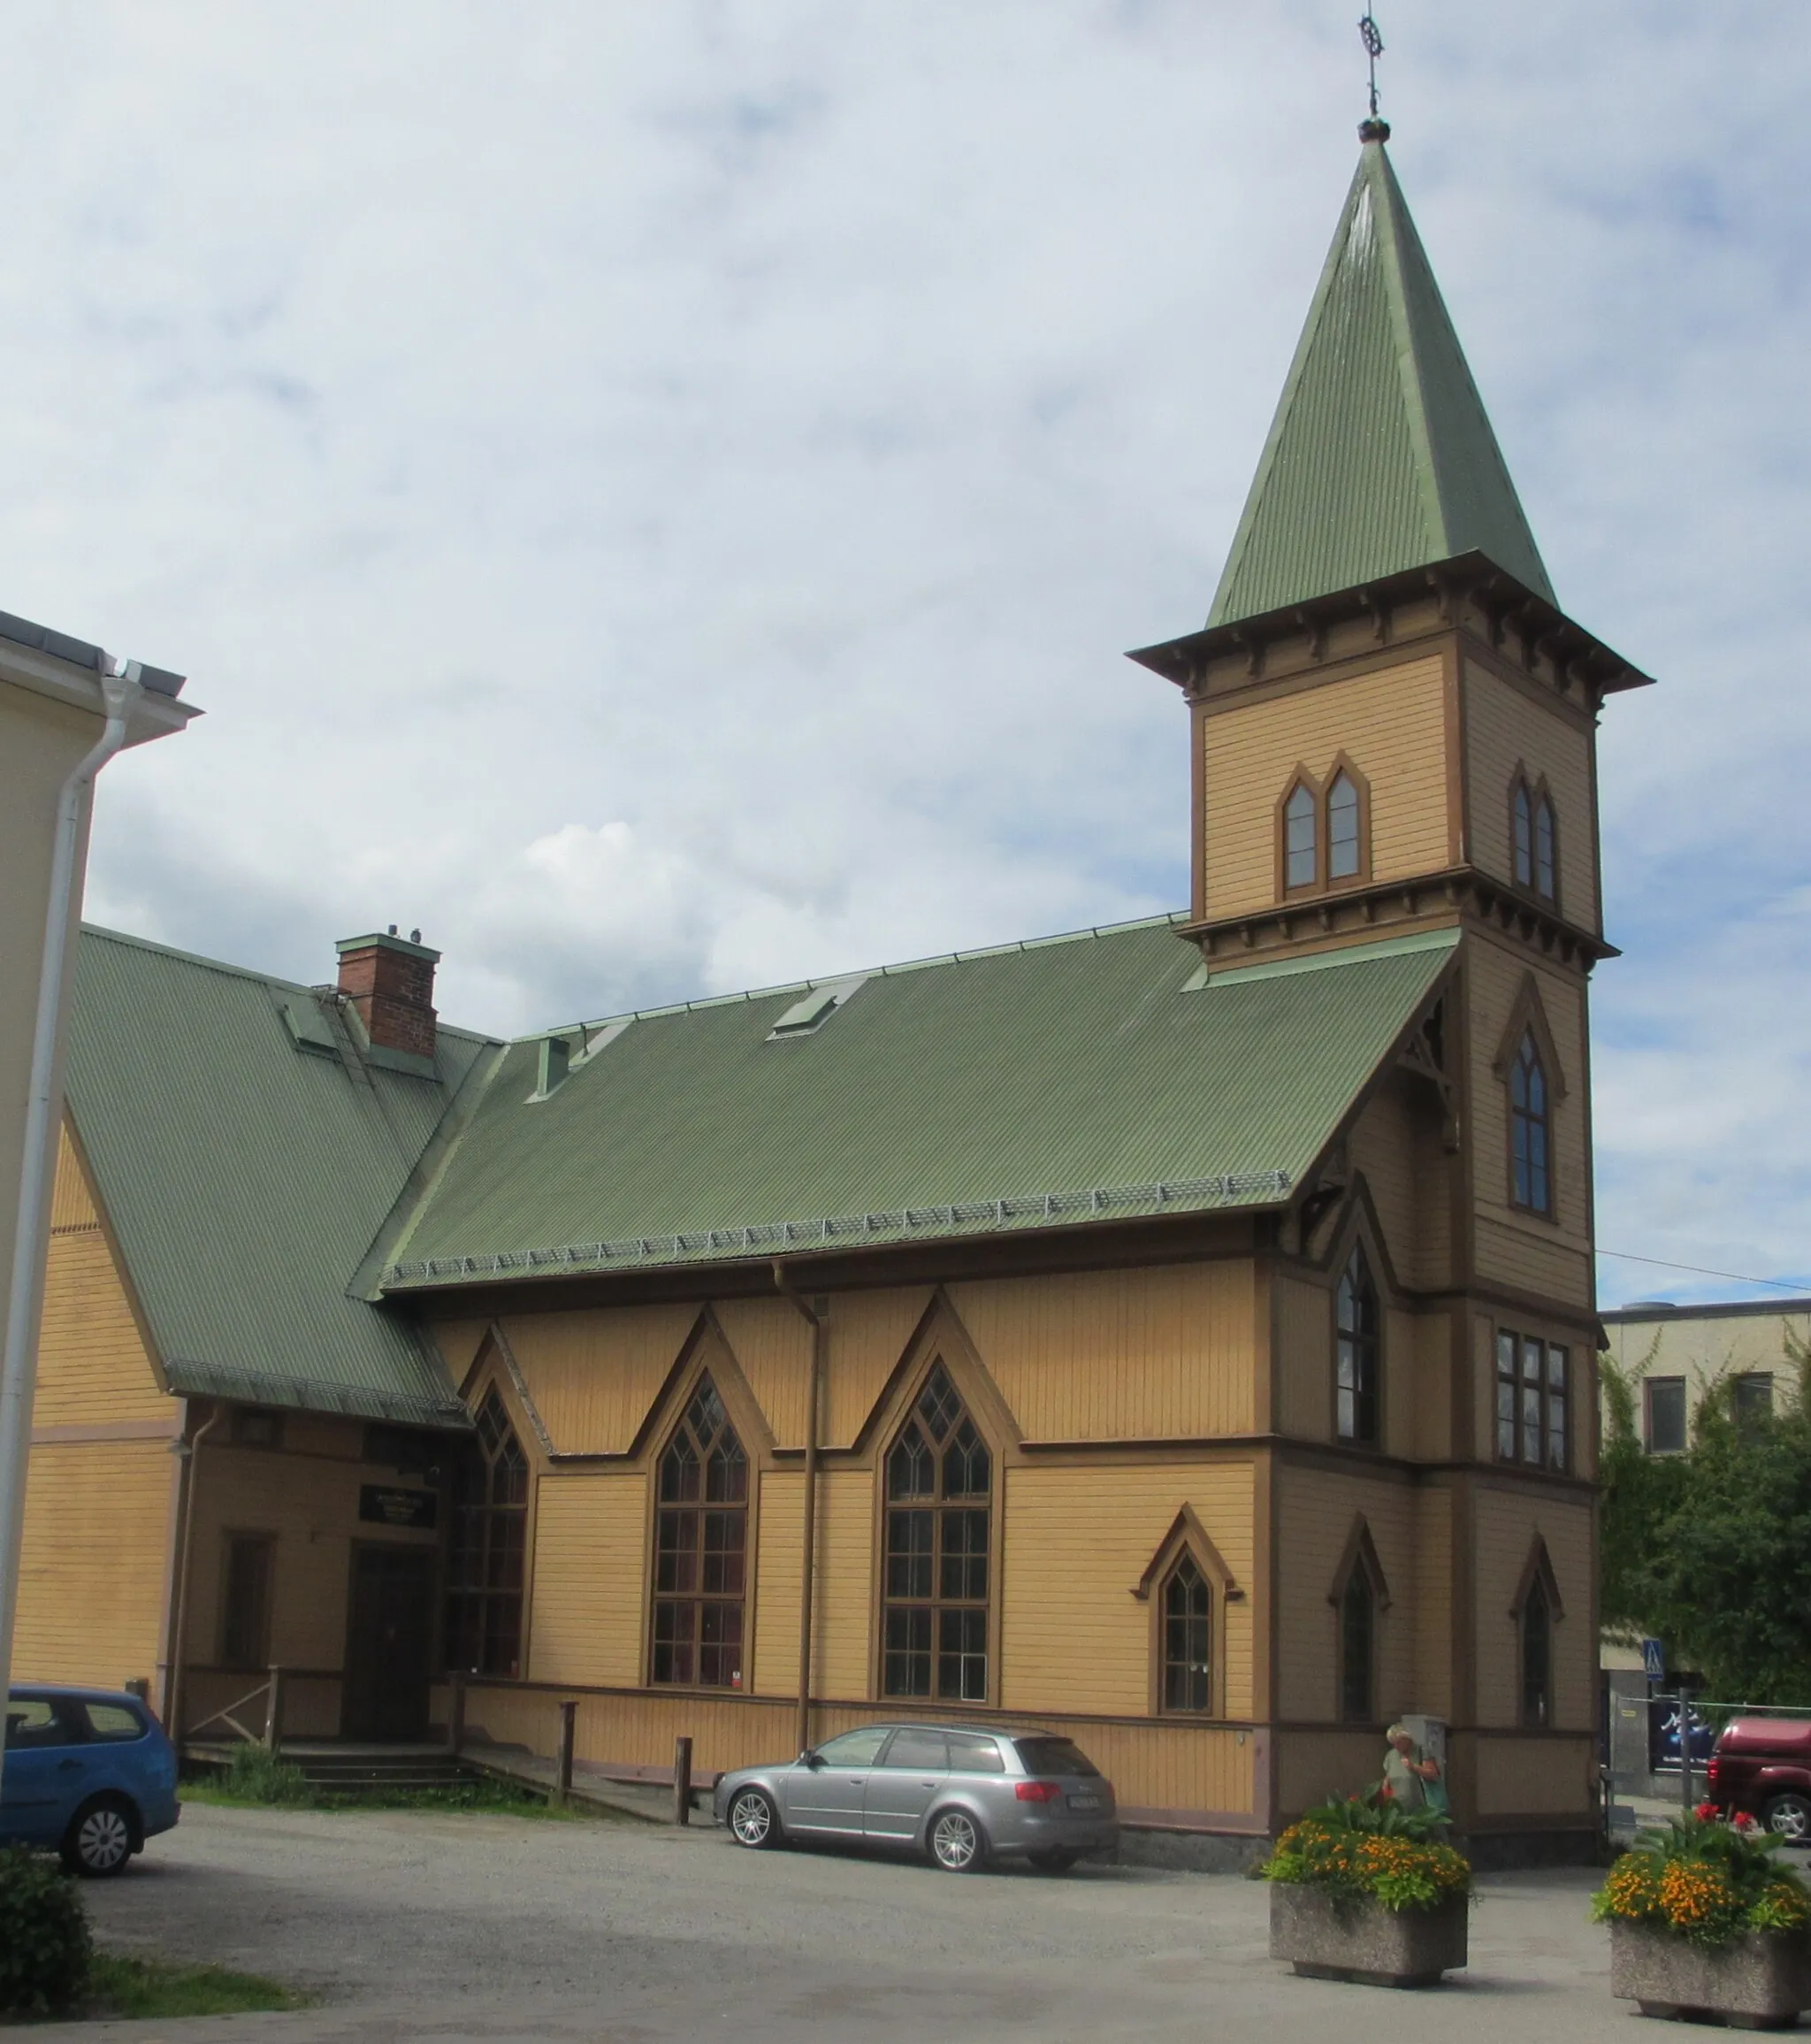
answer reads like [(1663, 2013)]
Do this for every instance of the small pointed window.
[(1356, 1316), (1301, 854), (1546, 863), (1522, 825), (1358, 1638), (1342, 828), (1188, 1631), (1537, 1657), (1531, 1173)]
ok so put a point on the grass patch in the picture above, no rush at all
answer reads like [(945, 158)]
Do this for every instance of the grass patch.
[(138, 1987), (483, 1796)]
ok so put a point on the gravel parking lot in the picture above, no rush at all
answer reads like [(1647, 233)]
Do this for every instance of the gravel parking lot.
[(486, 1927)]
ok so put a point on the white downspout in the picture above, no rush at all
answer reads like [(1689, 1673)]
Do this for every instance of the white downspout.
[(25, 1301)]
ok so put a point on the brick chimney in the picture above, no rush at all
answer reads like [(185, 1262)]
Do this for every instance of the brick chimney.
[(390, 980)]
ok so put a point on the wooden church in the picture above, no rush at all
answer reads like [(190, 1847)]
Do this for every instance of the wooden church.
[(1180, 1335)]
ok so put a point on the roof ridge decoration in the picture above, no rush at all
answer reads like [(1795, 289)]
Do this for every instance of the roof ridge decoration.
[(1380, 457)]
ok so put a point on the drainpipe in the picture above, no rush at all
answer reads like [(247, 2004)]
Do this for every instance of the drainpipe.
[(18, 1362), (189, 1452), (813, 1311)]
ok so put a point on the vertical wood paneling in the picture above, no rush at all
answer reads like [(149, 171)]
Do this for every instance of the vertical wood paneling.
[(842, 1587), (593, 1376), (1119, 1355), (778, 1568), (1504, 728), (92, 1572), (1391, 723), (590, 1561), (1077, 1541), (1316, 1512), (771, 1342), (868, 1333)]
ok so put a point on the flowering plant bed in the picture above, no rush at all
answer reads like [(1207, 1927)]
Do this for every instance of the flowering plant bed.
[(1706, 1922), (1366, 1891)]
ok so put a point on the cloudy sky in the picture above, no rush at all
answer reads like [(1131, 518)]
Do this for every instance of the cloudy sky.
[(656, 495)]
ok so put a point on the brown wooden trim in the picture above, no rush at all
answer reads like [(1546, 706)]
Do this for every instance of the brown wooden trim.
[(496, 1340), (1238, 1823), (170, 1429), (1197, 811), (1473, 646), (290, 1674), (1458, 743)]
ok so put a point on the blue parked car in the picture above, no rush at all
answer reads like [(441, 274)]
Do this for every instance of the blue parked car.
[(88, 1773)]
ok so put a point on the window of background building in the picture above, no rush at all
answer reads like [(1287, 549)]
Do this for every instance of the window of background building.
[(245, 1601), (1751, 1398), (939, 1511), (1665, 1400), (256, 1426), (1532, 1392)]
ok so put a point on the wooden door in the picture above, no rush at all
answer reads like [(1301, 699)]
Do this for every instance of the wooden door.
[(387, 1642)]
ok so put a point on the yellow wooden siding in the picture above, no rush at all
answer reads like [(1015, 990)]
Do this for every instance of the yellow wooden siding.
[(1507, 1519), (594, 1376), (93, 1365), (1315, 1511), (842, 1584), (771, 1342), (776, 1585), (95, 1563), (868, 1333), (1505, 728), (1434, 1530), (1391, 723), (458, 1341), (590, 1562), (1074, 1637), (1120, 1355), (1535, 1777), (1304, 1360), (1518, 1249)]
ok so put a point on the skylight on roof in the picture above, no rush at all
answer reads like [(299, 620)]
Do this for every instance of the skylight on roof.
[(806, 1017)]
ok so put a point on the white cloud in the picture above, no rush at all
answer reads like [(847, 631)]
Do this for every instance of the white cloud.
[(656, 495)]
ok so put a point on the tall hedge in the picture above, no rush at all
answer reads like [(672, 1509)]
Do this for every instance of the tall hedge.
[(45, 1943)]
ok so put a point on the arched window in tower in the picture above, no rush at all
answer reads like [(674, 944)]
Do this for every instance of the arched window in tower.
[(487, 1546), (1546, 877), (1188, 1636), (1342, 826), (939, 1499), (1356, 1316), (701, 1549), (1301, 834), (1537, 1656), (1357, 1642), (1521, 832), (1531, 1172)]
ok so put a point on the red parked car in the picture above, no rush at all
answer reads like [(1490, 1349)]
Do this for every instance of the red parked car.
[(1762, 1765)]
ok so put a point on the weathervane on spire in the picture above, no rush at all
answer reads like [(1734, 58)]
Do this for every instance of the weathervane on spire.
[(1374, 128)]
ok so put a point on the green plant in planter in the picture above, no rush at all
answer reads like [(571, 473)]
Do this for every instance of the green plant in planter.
[(44, 1946), (1706, 1881), (1360, 1849)]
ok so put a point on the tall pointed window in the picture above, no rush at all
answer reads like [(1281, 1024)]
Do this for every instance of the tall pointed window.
[(1546, 857), (1187, 1622), (1533, 838), (487, 1547), (1355, 1317), (1522, 830), (1531, 1172), (1357, 1647), (1301, 835), (1537, 1655), (701, 1549), (939, 1499), (1343, 846)]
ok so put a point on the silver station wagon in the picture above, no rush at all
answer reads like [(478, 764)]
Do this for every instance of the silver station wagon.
[(959, 1795)]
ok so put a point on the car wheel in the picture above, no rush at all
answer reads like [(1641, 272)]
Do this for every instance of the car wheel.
[(957, 1844), (1789, 1816), (103, 1836), (1058, 1859), (752, 1822)]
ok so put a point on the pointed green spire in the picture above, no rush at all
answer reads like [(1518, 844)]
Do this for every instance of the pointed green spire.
[(1380, 457)]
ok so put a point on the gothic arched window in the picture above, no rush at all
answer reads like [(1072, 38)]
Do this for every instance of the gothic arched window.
[(1343, 849), (1357, 1611), (1355, 1318), (1530, 1171), (1546, 852), (1301, 838), (487, 1547), (1188, 1635), (1537, 1656), (701, 1549), (939, 1477), (1521, 832)]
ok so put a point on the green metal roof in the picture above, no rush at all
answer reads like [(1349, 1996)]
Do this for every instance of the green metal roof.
[(1380, 457), (1042, 1084), (248, 1158)]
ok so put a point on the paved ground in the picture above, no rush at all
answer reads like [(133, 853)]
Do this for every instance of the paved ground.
[(455, 1927)]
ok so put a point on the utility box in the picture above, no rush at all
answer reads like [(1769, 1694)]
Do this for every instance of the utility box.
[(1429, 1733)]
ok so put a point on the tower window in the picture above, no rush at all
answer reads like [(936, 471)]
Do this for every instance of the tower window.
[(1532, 1401), (1521, 823), (1546, 866), (1356, 1315), (1533, 839), (701, 1549), (1342, 828), (1537, 1657), (1531, 1172), (1188, 1631), (1357, 1635), (939, 1496), (1301, 851)]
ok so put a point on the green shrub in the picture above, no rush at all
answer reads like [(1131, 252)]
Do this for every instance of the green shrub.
[(257, 1775), (44, 1944)]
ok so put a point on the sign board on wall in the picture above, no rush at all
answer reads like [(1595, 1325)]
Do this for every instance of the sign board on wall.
[(384, 1504)]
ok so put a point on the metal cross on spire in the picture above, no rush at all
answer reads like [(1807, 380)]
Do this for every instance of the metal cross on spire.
[(1374, 128)]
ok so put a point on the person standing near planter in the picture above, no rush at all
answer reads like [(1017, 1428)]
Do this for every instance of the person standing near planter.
[(1407, 1772)]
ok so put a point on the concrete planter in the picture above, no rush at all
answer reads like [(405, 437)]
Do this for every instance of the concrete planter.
[(1760, 1982), (1331, 1939)]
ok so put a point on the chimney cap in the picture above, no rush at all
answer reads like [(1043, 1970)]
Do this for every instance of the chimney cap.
[(388, 940)]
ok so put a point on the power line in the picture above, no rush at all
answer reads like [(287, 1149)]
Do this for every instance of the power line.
[(1699, 1270)]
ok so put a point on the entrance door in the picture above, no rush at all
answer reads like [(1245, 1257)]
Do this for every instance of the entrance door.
[(387, 1643)]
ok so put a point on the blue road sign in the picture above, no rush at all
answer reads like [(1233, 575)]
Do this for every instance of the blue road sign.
[(1654, 1660)]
